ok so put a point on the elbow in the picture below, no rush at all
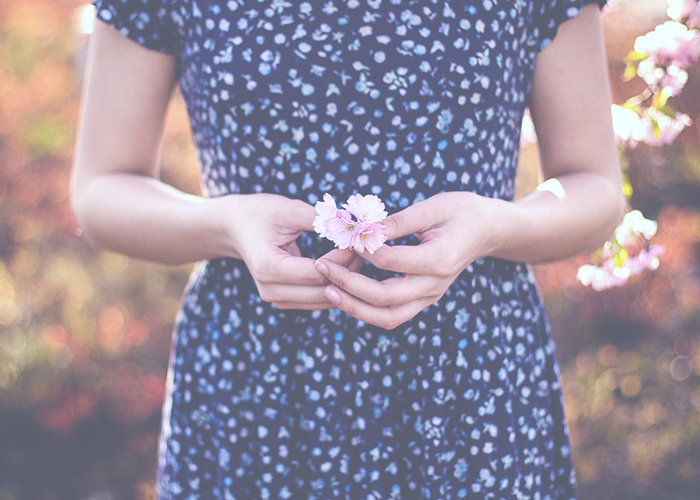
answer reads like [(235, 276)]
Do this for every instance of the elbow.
[(82, 209), (614, 204)]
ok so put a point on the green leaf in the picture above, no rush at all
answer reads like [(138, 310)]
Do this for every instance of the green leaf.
[(659, 100), (632, 106), (620, 257), (626, 185), (630, 72), (668, 111), (635, 56), (655, 127)]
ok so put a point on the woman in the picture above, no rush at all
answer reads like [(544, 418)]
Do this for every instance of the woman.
[(303, 371)]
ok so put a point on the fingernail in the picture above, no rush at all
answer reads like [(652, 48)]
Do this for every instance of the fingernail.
[(333, 296), (322, 268)]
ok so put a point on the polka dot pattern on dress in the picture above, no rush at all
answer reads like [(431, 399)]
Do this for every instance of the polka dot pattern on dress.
[(403, 99)]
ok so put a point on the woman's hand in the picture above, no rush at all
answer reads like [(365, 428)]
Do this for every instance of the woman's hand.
[(453, 229), (263, 229), (121, 205), (570, 104)]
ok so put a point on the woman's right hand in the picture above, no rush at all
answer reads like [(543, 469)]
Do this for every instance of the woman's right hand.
[(263, 229), (120, 204)]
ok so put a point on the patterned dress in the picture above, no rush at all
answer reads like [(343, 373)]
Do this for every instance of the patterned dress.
[(403, 99)]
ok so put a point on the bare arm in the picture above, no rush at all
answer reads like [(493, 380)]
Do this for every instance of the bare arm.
[(121, 205), (576, 210), (117, 200), (580, 206)]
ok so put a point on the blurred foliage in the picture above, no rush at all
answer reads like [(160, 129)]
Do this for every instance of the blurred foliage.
[(85, 334)]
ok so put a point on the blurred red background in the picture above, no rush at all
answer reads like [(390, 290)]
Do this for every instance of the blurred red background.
[(85, 334)]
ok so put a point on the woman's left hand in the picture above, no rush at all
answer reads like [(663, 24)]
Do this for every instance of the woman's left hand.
[(453, 228)]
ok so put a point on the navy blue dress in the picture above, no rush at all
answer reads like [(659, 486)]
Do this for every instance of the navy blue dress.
[(403, 99)]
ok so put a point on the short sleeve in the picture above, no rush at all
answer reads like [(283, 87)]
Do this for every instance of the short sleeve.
[(555, 12), (147, 22)]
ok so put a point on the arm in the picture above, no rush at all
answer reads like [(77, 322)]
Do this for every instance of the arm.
[(582, 202), (121, 205), (575, 210)]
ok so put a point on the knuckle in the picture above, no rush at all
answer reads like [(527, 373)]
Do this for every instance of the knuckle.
[(298, 207), (395, 223), (340, 279), (381, 260), (350, 309), (390, 322), (262, 277), (437, 289), (259, 271), (265, 294), (444, 263), (381, 301)]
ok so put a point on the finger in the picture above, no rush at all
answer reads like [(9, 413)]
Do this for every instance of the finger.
[(342, 257), (392, 291), (293, 249), (279, 267), (297, 216), (279, 293), (346, 258), (411, 220), (356, 265), (427, 259), (383, 317), (320, 306)]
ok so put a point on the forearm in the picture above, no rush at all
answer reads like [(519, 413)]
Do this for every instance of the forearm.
[(574, 213), (141, 217)]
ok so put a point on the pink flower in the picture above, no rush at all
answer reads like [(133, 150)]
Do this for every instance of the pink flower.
[(627, 254), (631, 128), (358, 225), (341, 230), (368, 208), (637, 223), (668, 50), (628, 126), (670, 43), (327, 211), (368, 236), (685, 9), (600, 278), (671, 78), (645, 259), (668, 128)]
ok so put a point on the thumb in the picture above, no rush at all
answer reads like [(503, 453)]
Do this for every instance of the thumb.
[(414, 219), (400, 224), (343, 257), (297, 215)]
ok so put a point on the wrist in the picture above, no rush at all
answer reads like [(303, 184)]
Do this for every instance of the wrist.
[(224, 212), (490, 221)]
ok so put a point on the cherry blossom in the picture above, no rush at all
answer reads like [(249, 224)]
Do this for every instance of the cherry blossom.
[(327, 211), (685, 9), (649, 126), (666, 52), (358, 225), (608, 274), (369, 209), (627, 254)]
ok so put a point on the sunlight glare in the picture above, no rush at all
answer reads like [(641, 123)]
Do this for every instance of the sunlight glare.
[(554, 187), (84, 19)]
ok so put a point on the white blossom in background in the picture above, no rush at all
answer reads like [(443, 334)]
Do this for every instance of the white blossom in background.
[(661, 58), (627, 254)]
